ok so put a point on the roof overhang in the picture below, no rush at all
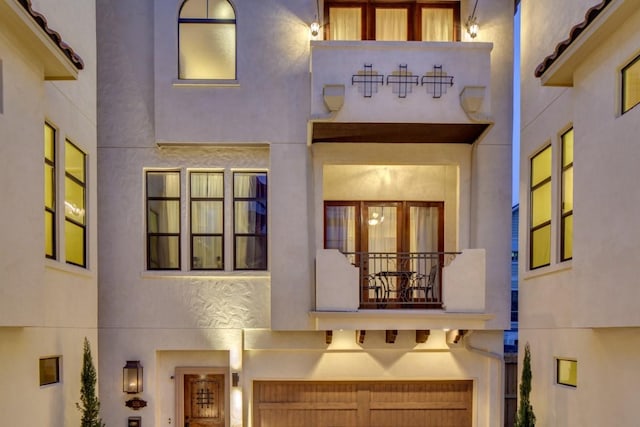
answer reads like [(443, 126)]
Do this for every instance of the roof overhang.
[(600, 22), (31, 28), (421, 133)]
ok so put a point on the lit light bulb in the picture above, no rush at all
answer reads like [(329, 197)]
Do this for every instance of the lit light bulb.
[(315, 29)]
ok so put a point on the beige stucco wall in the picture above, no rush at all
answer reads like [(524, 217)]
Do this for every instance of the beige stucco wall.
[(169, 319), (46, 306), (604, 141), (583, 309)]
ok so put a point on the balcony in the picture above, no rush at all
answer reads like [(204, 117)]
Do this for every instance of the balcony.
[(400, 290), (422, 92)]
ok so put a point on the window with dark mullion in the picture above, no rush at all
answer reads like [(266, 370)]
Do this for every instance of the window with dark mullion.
[(163, 220), (631, 85), (250, 220), (207, 206), (540, 212), (75, 227), (392, 21), (207, 40), (50, 191), (566, 213)]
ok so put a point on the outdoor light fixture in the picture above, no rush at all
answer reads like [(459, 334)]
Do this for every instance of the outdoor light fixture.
[(472, 23), (315, 26), (315, 29), (132, 377)]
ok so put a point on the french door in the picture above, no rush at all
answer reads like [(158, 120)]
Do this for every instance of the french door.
[(394, 241), (384, 226)]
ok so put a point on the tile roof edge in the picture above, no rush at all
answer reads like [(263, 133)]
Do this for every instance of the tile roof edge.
[(575, 31), (41, 20)]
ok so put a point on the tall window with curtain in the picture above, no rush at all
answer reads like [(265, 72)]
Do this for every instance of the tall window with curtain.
[(540, 210), (207, 207), (250, 220), (345, 23), (397, 21), (163, 220), (341, 228), (566, 209), (49, 191), (75, 227), (207, 40)]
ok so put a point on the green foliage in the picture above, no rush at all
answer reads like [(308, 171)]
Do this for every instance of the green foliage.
[(89, 404), (525, 416)]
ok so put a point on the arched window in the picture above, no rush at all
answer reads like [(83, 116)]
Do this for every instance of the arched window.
[(207, 40)]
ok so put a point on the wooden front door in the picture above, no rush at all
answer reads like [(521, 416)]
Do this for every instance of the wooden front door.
[(363, 404), (204, 400)]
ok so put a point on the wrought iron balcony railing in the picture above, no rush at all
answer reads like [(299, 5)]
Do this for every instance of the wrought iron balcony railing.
[(396, 280)]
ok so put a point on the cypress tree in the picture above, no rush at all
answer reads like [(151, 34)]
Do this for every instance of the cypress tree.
[(525, 416), (89, 404)]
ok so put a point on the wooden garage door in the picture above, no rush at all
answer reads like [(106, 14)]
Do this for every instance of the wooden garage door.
[(362, 404)]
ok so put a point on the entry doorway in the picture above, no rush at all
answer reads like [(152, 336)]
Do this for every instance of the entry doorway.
[(201, 397)]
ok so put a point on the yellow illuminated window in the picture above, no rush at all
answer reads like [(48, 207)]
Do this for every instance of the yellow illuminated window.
[(567, 372), (207, 40), (540, 210), (49, 370), (631, 85), (49, 191), (566, 214), (74, 205)]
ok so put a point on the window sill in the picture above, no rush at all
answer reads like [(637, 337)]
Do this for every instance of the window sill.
[(173, 274), (205, 83), (550, 269), (68, 268)]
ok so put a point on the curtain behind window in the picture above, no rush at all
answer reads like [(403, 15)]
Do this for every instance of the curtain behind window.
[(391, 24), (250, 220), (163, 219), (207, 220), (345, 23), (437, 24), (340, 229)]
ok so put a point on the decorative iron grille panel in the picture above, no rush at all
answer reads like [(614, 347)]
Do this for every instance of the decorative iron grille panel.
[(436, 81), (367, 80), (402, 81)]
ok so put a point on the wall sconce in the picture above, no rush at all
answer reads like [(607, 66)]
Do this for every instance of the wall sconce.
[(235, 379), (314, 28), (132, 377), (472, 23)]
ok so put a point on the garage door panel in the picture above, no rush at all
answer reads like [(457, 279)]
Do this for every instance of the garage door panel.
[(419, 418), (363, 404), (307, 418)]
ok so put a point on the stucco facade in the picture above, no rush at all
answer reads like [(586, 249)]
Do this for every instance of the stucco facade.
[(47, 306), (582, 309), (281, 324)]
